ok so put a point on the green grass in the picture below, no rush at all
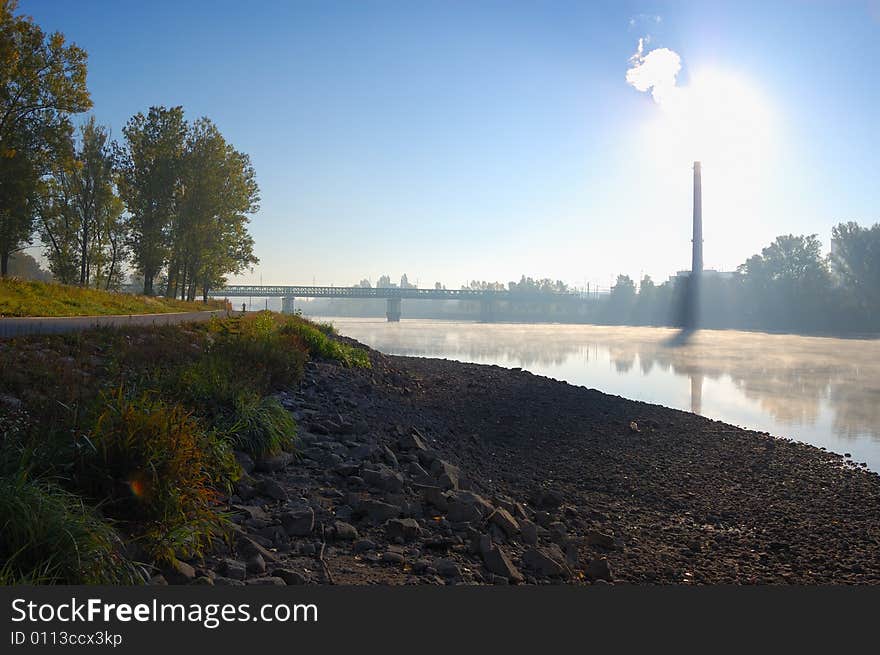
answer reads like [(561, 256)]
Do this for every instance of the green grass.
[(136, 427), (49, 536), (31, 298)]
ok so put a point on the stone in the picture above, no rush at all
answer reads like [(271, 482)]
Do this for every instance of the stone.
[(245, 461), (383, 478), (389, 456), (256, 565), (448, 568), (542, 562), (158, 580), (599, 569), (417, 473), (344, 531), (233, 569), (220, 581), (299, 523), (272, 489), (467, 506), (502, 518), (179, 572), (406, 529), (601, 539), (392, 557), (249, 547), (290, 577), (435, 496), (528, 532), (363, 546), (499, 563), (203, 580), (448, 475), (378, 511), (269, 581), (273, 463), (412, 441)]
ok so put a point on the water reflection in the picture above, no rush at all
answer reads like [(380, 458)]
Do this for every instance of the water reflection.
[(822, 390)]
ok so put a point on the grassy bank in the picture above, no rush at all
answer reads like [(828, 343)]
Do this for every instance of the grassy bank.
[(31, 298), (116, 446)]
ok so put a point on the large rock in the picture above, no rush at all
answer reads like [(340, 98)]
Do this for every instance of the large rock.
[(272, 463), (502, 518), (436, 497), (529, 532), (298, 523), (290, 577), (344, 531), (545, 562), (383, 478), (272, 489), (405, 529), (448, 475), (378, 511), (499, 563), (599, 569), (412, 441), (467, 506)]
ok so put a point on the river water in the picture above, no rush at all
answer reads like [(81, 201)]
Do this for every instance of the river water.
[(819, 390)]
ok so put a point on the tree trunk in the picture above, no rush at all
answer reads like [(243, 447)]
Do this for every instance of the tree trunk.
[(148, 284), (4, 264)]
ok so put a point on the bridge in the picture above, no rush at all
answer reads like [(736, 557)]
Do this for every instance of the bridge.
[(393, 296)]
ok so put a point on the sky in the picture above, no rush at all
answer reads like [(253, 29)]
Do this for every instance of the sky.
[(485, 140)]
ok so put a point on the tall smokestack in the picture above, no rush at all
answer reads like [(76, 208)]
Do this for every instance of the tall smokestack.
[(697, 263)]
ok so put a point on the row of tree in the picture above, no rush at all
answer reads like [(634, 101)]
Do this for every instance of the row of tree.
[(173, 199), (789, 286)]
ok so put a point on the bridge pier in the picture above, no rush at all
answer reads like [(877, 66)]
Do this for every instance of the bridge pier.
[(287, 304), (487, 310), (392, 310)]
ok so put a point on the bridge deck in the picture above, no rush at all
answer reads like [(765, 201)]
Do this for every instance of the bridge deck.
[(294, 291)]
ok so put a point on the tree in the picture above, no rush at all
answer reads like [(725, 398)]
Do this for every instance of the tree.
[(83, 228), (788, 284), (42, 81), (149, 185), (856, 261)]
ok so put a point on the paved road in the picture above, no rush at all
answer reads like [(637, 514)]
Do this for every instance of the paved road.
[(13, 327)]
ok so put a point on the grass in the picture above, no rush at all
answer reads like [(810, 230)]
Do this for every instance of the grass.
[(135, 428), (49, 536), (31, 298)]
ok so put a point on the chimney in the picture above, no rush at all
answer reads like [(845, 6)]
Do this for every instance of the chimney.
[(697, 262)]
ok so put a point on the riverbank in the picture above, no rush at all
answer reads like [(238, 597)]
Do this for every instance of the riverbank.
[(428, 471)]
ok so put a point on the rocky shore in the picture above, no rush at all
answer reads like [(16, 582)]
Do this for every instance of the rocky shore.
[(423, 471)]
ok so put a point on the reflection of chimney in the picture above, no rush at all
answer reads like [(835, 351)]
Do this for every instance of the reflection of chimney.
[(697, 393), (697, 262)]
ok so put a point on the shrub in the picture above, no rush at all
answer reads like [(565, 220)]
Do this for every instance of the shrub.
[(157, 469), (320, 345), (48, 536), (260, 425)]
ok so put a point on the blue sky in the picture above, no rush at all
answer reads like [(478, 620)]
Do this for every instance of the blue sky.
[(483, 140)]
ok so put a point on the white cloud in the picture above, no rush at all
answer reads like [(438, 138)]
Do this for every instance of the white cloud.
[(655, 72)]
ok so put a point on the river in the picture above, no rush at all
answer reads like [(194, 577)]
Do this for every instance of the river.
[(823, 391)]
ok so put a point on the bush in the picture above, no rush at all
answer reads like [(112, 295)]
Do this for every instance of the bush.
[(48, 536), (157, 469), (260, 425), (320, 345)]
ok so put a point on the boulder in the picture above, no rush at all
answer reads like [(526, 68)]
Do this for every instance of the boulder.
[(499, 563), (448, 475), (502, 518), (405, 529), (272, 489), (344, 531), (601, 539), (299, 523), (378, 511), (244, 460), (544, 562), (272, 463), (599, 569)]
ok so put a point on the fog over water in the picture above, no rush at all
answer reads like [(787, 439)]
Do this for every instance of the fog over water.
[(819, 390)]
